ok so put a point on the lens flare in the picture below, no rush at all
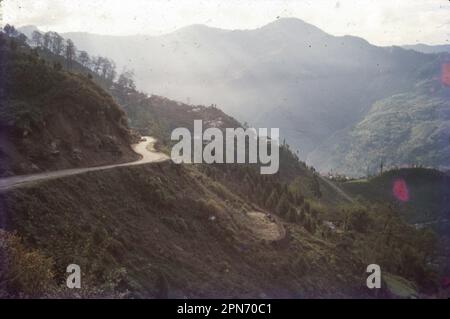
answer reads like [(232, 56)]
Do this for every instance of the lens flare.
[(400, 190)]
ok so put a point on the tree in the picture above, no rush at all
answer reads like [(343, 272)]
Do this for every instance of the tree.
[(84, 59), (307, 207), (309, 225), (96, 64), (272, 200), (70, 53), (299, 199), (22, 38), (57, 43), (126, 80), (292, 215), (105, 68), (282, 206), (47, 40), (301, 215), (358, 220), (10, 30), (37, 38), (57, 66), (108, 70)]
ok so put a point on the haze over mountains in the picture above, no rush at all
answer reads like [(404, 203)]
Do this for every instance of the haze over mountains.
[(425, 48), (289, 74), (160, 230)]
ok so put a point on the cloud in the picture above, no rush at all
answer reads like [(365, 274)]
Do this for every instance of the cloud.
[(42, 13)]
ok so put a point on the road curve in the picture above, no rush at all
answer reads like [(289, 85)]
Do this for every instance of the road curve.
[(145, 148)]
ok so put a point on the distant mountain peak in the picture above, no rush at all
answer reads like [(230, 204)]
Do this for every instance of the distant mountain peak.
[(199, 28), (426, 48), (290, 24), (288, 21), (29, 27), (281, 24), (28, 30)]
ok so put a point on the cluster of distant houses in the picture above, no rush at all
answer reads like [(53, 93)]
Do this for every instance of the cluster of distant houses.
[(342, 177)]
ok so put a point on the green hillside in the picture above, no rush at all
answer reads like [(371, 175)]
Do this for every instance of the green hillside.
[(426, 204), (53, 119), (165, 230), (428, 192), (406, 129), (177, 232)]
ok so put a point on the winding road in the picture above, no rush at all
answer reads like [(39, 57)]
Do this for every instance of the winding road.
[(145, 148)]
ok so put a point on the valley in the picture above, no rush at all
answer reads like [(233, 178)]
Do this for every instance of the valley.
[(86, 176), (324, 92)]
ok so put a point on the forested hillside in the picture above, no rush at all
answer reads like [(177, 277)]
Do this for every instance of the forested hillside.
[(408, 129), (287, 74), (51, 118), (190, 231)]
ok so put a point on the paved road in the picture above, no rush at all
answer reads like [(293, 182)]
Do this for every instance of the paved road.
[(144, 148)]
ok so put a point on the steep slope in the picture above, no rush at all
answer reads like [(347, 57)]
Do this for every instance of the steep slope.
[(158, 116), (421, 197), (407, 129), (52, 119), (164, 230), (177, 232), (199, 219)]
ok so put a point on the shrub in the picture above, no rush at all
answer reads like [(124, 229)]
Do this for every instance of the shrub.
[(28, 272), (359, 220)]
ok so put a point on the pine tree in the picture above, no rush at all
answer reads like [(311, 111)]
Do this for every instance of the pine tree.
[(272, 200), (283, 205), (292, 215)]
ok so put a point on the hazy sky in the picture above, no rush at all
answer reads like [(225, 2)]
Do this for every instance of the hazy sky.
[(382, 22)]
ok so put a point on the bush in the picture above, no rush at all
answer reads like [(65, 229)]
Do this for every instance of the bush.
[(292, 215), (301, 266), (28, 272), (359, 220)]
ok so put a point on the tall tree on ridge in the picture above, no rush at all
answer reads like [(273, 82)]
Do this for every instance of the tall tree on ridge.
[(84, 59), (37, 38), (57, 43), (70, 53)]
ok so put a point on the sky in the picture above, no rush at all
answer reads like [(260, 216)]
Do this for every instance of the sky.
[(381, 22)]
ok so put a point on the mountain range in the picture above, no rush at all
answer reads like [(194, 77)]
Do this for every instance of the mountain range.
[(161, 230), (319, 89), (425, 48)]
